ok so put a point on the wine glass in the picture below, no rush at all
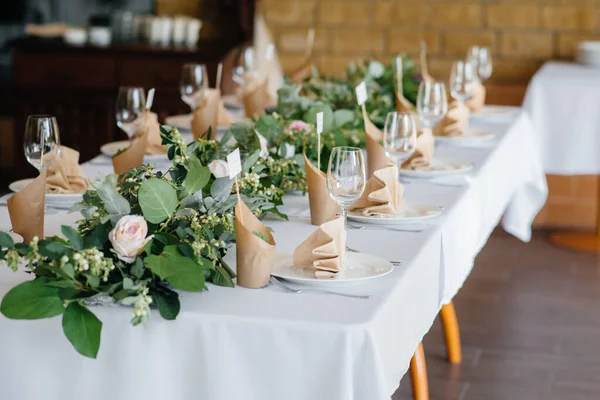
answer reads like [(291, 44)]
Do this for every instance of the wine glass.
[(461, 78), (399, 136), (346, 177), (41, 143), (245, 65), (130, 109), (193, 84), (432, 103), (484, 64)]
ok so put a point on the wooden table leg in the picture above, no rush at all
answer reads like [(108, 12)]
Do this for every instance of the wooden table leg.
[(418, 374), (451, 333)]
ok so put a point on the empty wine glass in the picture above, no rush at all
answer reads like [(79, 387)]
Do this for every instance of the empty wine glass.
[(193, 84), (130, 109), (245, 65), (41, 143), (346, 177), (432, 103), (473, 56), (462, 77), (399, 136), (484, 64)]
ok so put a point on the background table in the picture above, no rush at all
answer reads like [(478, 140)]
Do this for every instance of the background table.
[(264, 344)]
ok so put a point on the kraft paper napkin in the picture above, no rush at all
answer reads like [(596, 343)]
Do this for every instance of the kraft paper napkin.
[(323, 250), (322, 206), (376, 158), (477, 101), (403, 105), (26, 209), (225, 119), (304, 71), (132, 157), (382, 195), (206, 114), (255, 96), (255, 257), (456, 121), (421, 159), (154, 145), (65, 175)]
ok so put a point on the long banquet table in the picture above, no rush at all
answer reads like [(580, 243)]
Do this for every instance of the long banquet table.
[(265, 344)]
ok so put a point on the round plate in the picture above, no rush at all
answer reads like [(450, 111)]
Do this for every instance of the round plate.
[(474, 136), (441, 167), (359, 268), (182, 122), (413, 213), (232, 102), (496, 112), (57, 200), (110, 149)]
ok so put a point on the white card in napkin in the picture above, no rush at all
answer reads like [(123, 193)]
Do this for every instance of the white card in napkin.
[(235, 163), (361, 93)]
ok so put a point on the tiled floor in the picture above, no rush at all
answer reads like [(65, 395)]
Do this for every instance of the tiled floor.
[(529, 317)]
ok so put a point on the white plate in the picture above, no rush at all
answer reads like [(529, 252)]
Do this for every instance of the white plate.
[(56, 200), (413, 213), (182, 122), (112, 148), (359, 268), (232, 101), (473, 137), (496, 112), (441, 167)]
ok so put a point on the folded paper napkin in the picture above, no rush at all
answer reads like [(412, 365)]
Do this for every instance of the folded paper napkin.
[(132, 157), (154, 144), (403, 105), (382, 195), (26, 209), (255, 95), (322, 206), (304, 71), (456, 121), (376, 158), (254, 256), (206, 114), (323, 250), (421, 158), (65, 175), (225, 118), (477, 100)]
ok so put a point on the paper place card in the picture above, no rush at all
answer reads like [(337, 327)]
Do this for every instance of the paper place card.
[(235, 163), (270, 51), (361, 93), (320, 123)]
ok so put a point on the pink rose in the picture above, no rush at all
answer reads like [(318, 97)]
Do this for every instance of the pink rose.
[(128, 237), (298, 125)]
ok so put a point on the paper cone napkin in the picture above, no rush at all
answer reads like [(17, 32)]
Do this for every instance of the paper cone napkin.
[(256, 97), (65, 175), (154, 144), (376, 158), (255, 257), (132, 157), (456, 121), (323, 250), (421, 159), (322, 206), (303, 72), (225, 118), (477, 101), (382, 195), (403, 105), (207, 114), (26, 209)]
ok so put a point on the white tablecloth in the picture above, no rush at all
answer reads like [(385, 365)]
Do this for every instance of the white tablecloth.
[(563, 102), (264, 344)]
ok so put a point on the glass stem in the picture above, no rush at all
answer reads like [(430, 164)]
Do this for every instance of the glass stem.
[(345, 225)]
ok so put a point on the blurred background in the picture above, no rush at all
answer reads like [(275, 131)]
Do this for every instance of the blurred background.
[(47, 65)]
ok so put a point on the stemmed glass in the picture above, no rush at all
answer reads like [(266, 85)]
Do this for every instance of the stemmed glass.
[(130, 110), (432, 103), (399, 136), (41, 143), (346, 178), (462, 76), (245, 64), (193, 84), (484, 64)]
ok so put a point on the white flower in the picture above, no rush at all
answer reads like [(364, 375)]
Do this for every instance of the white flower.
[(264, 146), (289, 150), (219, 168), (128, 237)]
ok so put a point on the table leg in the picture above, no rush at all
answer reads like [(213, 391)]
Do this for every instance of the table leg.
[(451, 333), (418, 374)]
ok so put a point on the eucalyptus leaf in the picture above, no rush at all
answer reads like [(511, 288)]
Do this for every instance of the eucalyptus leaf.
[(83, 329), (158, 200), (32, 300), (221, 189), (73, 236), (196, 179), (115, 204), (6, 241), (342, 117), (250, 161)]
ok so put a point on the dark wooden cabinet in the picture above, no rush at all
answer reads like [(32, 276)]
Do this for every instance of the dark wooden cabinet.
[(79, 85)]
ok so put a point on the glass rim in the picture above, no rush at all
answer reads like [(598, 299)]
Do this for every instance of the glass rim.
[(347, 148), (128, 87), (194, 65), (40, 116)]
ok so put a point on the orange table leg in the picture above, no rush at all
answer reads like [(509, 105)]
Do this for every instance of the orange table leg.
[(418, 374), (451, 333)]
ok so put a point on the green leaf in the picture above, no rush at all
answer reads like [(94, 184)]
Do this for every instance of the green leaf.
[(158, 200), (220, 277), (73, 236), (342, 117), (83, 329), (98, 237), (221, 188), (196, 179), (53, 250), (161, 265), (32, 300), (137, 269), (250, 161), (167, 302), (189, 275), (115, 204), (6, 240)]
